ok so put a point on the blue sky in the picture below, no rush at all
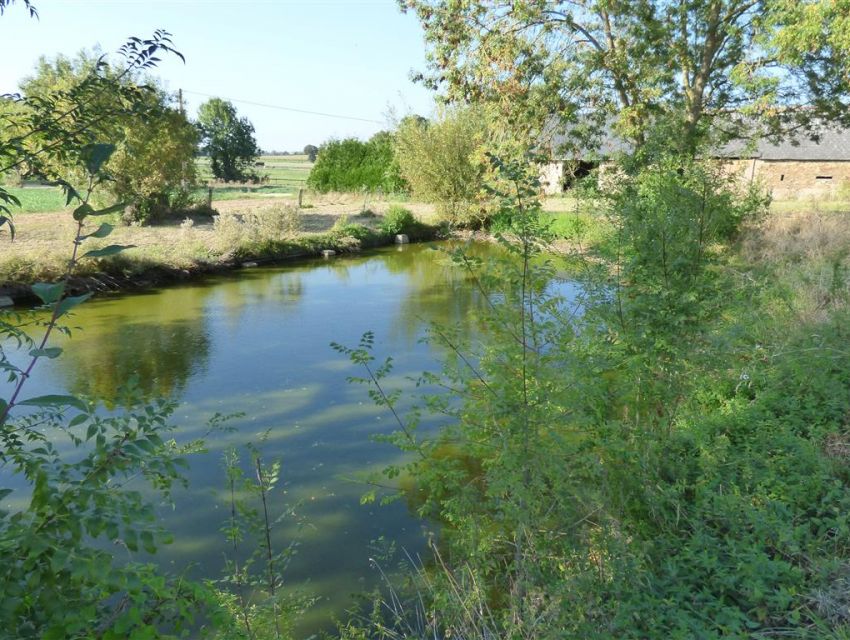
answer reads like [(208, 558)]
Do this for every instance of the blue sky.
[(345, 57)]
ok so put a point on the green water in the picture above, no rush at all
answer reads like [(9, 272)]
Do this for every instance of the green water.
[(258, 342)]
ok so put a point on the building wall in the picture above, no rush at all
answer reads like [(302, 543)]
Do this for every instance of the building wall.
[(788, 180), (552, 178), (785, 179), (793, 179)]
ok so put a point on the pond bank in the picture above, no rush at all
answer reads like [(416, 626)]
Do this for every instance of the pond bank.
[(173, 253)]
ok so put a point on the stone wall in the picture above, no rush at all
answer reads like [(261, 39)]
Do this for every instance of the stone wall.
[(789, 180), (552, 178), (796, 179)]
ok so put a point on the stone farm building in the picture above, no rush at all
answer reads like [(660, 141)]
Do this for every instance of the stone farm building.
[(789, 170)]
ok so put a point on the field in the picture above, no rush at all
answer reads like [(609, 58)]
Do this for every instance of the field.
[(37, 199), (281, 176)]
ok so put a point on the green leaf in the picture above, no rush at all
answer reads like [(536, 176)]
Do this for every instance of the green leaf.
[(70, 302), (7, 220), (96, 155), (70, 195), (111, 209), (82, 211), (49, 293), (4, 493), (47, 352), (78, 420), (102, 231), (110, 250), (147, 541), (53, 400)]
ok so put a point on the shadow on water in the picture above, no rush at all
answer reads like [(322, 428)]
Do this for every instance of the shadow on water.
[(257, 342)]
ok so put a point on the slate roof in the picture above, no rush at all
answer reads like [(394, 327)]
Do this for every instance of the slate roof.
[(832, 145)]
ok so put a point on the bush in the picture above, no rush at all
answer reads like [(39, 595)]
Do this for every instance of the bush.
[(398, 220), (353, 165), (444, 163)]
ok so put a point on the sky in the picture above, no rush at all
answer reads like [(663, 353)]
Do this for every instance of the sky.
[(340, 57)]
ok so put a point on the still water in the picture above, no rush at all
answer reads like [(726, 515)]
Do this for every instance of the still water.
[(257, 342)]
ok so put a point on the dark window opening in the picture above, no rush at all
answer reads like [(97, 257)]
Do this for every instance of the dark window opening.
[(575, 171), (823, 177), (781, 177)]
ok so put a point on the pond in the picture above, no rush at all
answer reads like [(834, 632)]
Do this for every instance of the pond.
[(257, 342)]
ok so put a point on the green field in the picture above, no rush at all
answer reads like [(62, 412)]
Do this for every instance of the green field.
[(37, 199), (282, 175), (276, 171)]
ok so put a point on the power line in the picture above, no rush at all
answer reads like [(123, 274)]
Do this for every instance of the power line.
[(282, 108)]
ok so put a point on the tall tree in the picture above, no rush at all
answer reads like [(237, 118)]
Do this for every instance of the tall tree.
[(155, 144), (54, 127), (686, 63), (311, 151), (228, 139)]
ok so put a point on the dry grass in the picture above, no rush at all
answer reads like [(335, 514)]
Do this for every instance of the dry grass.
[(810, 253), (810, 236), (44, 240)]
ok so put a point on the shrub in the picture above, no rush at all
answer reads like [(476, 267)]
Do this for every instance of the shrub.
[(444, 163), (354, 165), (398, 220), (273, 223), (342, 227)]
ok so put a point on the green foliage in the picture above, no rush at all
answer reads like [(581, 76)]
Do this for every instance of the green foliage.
[(353, 165), (82, 477), (665, 460), (155, 144), (253, 595), (398, 220), (311, 151), (635, 65), (29, 6), (58, 580), (228, 140), (444, 163)]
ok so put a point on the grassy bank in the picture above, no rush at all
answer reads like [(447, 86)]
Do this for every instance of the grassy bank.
[(243, 231)]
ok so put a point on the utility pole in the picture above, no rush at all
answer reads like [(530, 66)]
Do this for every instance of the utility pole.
[(180, 101)]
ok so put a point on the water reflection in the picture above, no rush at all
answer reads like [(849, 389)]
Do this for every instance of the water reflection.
[(160, 339), (257, 342)]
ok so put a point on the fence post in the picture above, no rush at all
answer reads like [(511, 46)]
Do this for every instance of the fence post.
[(300, 195), (209, 197)]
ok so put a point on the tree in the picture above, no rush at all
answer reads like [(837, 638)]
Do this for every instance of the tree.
[(311, 151), (155, 144), (684, 64), (443, 161), (77, 474), (227, 139)]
